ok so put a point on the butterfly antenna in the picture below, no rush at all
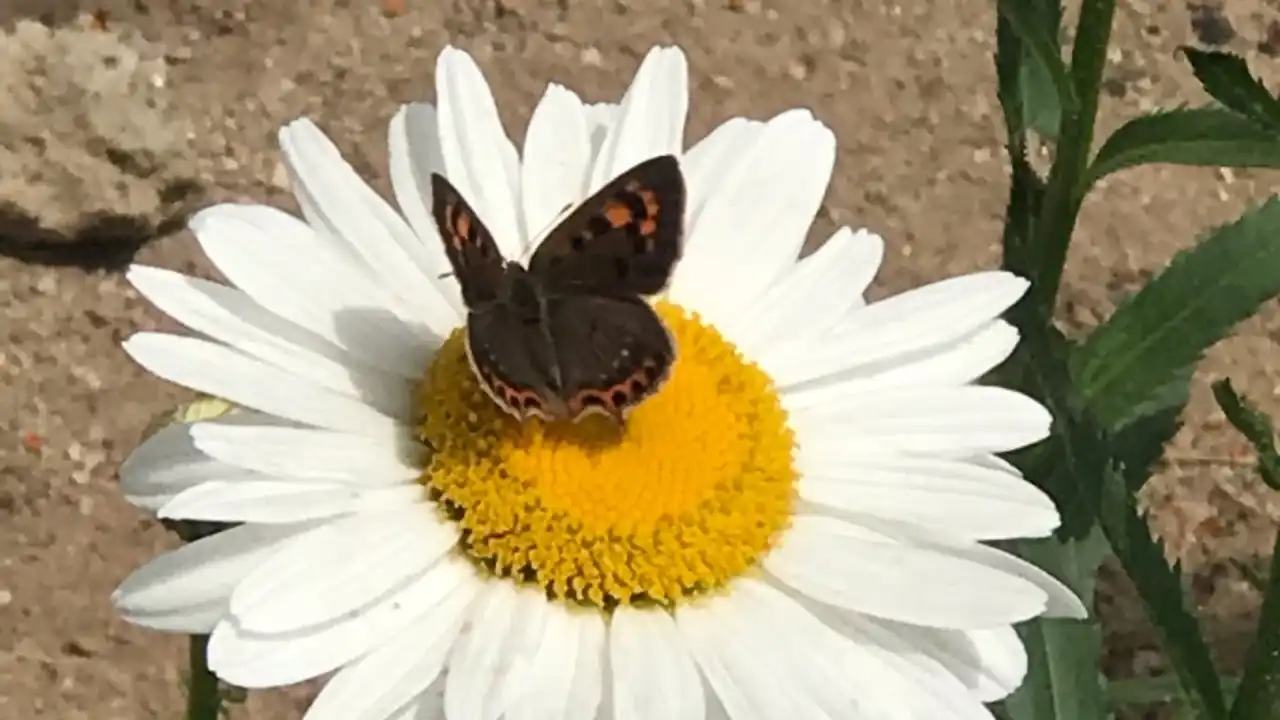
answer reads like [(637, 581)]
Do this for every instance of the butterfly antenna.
[(536, 240), (444, 275)]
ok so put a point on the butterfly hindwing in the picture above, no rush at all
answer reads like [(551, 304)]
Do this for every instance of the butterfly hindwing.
[(514, 361), (612, 352), (623, 240), (473, 254)]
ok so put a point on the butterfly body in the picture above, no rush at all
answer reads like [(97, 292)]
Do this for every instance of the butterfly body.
[(572, 334)]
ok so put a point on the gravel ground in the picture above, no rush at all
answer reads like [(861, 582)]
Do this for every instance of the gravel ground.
[(121, 117)]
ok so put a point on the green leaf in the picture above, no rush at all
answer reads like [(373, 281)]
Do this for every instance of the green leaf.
[(1207, 137), (1043, 77), (1042, 109), (1227, 79), (1071, 463), (1259, 695), (1064, 673), (1160, 588), (1203, 293), (1255, 427)]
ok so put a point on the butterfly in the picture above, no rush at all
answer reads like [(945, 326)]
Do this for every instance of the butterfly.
[(571, 334)]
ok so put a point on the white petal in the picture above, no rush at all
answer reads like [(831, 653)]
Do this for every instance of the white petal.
[(654, 678), (479, 158), (306, 453), (168, 463), (428, 705), (901, 326), (652, 116), (960, 362), (1061, 601), (991, 662), (478, 664), (364, 556), (751, 230), (586, 693), (557, 156), (399, 671), (258, 249), (941, 422), (931, 690), (733, 669), (951, 496), (712, 159), (813, 295), (564, 677), (347, 209), (195, 581), (414, 148), (813, 668), (222, 372), (266, 501), (253, 660), (866, 571), (232, 317)]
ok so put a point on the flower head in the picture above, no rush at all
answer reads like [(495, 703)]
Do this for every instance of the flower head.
[(792, 526)]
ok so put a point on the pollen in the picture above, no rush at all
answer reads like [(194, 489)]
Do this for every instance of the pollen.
[(688, 494)]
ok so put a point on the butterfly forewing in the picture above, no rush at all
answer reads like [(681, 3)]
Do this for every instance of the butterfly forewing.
[(612, 352), (623, 240), (477, 263)]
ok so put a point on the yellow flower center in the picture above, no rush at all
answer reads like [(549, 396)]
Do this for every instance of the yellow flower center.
[(688, 495)]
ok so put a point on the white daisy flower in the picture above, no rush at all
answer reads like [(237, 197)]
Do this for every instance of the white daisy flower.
[(792, 527)]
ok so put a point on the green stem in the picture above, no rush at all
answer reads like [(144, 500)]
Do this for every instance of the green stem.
[(1063, 196), (1259, 694), (204, 701)]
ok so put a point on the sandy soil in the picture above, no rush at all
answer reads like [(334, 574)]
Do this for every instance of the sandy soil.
[(122, 116)]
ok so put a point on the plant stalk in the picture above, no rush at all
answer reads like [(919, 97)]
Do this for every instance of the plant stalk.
[(1063, 196), (204, 700)]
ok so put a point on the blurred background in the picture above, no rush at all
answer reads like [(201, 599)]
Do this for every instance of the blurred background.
[(119, 118)]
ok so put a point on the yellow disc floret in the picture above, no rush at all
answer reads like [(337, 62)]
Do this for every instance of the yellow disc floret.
[(684, 497)]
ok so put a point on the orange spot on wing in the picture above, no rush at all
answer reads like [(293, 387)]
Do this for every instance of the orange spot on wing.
[(462, 226), (651, 202), (618, 214)]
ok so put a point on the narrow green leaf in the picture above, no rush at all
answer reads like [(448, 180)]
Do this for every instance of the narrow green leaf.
[(1227, 79), (1259, 695), (1036, 23), (1255, 427), (1160, 588), (1042, 110), (1143, 433), (1192, 304), (1064, 673), (1207, 137), (1140, 444)]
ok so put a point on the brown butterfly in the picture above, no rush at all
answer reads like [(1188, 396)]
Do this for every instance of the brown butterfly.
[(572, 333)]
